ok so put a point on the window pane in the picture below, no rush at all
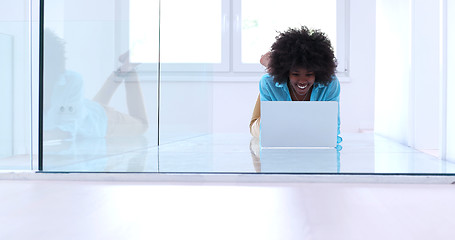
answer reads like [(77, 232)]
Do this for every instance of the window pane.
[(190, 41), (191, 31), (143, 36), (259, 27), (99, 109)]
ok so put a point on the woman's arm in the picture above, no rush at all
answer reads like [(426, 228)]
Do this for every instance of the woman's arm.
[(256, 119), (265, 60), (333, 92)]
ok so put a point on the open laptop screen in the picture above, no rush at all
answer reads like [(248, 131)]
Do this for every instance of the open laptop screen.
[(299, 124)]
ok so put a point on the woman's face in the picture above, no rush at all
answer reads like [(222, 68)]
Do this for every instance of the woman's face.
[(301, 80)]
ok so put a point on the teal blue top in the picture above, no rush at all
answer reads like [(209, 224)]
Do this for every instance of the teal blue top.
[(70, 112), (273, 91)]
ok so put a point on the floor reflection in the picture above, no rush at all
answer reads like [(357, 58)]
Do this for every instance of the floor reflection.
[(110, 154), (239, 153), (295, 160)]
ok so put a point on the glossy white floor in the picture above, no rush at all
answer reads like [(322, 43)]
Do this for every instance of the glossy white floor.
[(239, 153), (240, 205), (146, 210)]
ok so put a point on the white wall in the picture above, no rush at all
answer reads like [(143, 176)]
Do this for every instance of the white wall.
[(6, 95), (393, 64), (233, 102), (450, 144), (426, 74), (357, 97), (408, 72), (14, 17)]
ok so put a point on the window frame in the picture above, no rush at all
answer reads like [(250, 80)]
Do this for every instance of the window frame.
[(224, 66), (342, 44), (231, 45)]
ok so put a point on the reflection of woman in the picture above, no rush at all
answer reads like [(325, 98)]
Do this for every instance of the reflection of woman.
[(301, 67), (255, 151), (67, 114)]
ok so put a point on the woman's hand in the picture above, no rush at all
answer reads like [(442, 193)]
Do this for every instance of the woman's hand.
[(265, 60), (127, 66)]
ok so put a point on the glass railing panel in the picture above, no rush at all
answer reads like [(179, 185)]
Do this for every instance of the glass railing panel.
[(100, 98)]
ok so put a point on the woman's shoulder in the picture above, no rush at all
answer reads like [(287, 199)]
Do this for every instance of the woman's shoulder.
[(267, 81), (334, 83), (335, 80), (266, 78)]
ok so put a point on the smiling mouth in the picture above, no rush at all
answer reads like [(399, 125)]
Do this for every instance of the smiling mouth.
[(302, 86)]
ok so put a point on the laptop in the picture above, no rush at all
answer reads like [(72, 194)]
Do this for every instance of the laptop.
[(299, 124)]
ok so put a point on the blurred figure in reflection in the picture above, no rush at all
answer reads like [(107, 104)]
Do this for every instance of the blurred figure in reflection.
[(300, 67), (68, 114), (255, 151)]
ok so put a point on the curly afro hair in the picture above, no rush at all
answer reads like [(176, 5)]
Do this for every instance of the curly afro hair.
[(302, 48)]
